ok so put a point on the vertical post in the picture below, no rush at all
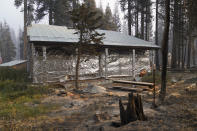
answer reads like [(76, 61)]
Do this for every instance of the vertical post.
[(100, 65), (32, 60), (153, 73), (44, 49), (106, 70), (154, 91), (119, 64), (44, 63), (133, 63), (131, 71), (152, 55)]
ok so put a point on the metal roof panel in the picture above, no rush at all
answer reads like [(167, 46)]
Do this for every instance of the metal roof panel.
[(51, 33)]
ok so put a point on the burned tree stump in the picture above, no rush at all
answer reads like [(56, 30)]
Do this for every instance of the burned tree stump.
[(134, 110)]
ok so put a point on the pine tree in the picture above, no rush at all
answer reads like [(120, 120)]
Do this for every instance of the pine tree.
[(127, 5), (86, 22), (116, 19), (58, 11), (30, 9), (192, 23), (61, 13), (21, 44), (7, 48), (110, 22), (108, 19), (90, 3)]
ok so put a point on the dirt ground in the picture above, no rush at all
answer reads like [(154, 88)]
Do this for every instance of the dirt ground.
[(98, 112)]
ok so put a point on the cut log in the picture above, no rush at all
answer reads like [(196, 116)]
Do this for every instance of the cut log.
[(134, 110), (150, 85), (130, 89)]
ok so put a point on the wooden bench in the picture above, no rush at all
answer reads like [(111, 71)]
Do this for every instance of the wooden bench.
[(150, 85)]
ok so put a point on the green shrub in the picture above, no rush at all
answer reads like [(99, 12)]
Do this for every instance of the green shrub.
[(149, 77), (12, 90), (20, 100), (7, 73)]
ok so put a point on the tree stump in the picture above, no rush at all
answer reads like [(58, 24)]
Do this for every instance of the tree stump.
[(134, 110)]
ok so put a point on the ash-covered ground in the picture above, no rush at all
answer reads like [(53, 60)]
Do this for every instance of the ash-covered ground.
[(95, 107)]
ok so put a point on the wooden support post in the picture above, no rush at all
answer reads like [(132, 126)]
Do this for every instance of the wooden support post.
[(154, 91), (152, 62), (106, 55), (119, 64), (130, 61), (100, 65), (133, 64), (44, 49), (33, 54), (45, 76), (153, 70)]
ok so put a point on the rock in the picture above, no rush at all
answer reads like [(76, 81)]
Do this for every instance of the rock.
[(138, 79), (98, 117), (69, 94), (95, 89), (65, 78), (191, 87), (61, 93), (174, 80)]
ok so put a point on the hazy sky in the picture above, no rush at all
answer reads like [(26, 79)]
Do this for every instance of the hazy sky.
[(14, 16)]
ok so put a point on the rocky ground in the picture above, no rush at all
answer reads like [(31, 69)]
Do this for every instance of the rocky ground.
[(97, 108)]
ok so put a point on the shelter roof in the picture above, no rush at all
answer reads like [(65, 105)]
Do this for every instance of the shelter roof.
[(12, 63), (61, 34)]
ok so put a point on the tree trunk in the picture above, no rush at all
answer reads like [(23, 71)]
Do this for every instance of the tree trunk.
[(174, 46), (147, 22), (156, 38), (142, 23), (134, 110), (136, 19), (129, 17), (25, 29), (50, 13), (165, 50), (77, 68), (189, 48), (78, 61), (193, 52)]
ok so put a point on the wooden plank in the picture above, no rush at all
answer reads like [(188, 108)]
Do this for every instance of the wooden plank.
[(130, 89), (134, 83)]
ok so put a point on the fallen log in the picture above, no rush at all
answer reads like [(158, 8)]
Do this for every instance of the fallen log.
[(150, 85), (130, 89)]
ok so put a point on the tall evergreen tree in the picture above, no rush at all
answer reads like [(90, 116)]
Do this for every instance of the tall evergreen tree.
[(90, 3), (7, 48), (127, 5), (86, 22), (58, 11), (116, 18), (21, 44), (192, 29)]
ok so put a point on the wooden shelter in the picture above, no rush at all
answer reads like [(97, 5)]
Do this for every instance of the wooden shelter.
[(52, 51)]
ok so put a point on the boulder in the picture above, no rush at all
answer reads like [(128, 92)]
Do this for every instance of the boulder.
[(94, 89)]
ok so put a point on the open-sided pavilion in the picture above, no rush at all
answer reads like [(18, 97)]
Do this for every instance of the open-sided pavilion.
[(52, 49)]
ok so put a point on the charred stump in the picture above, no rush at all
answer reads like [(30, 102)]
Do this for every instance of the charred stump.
[(134, 110)]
